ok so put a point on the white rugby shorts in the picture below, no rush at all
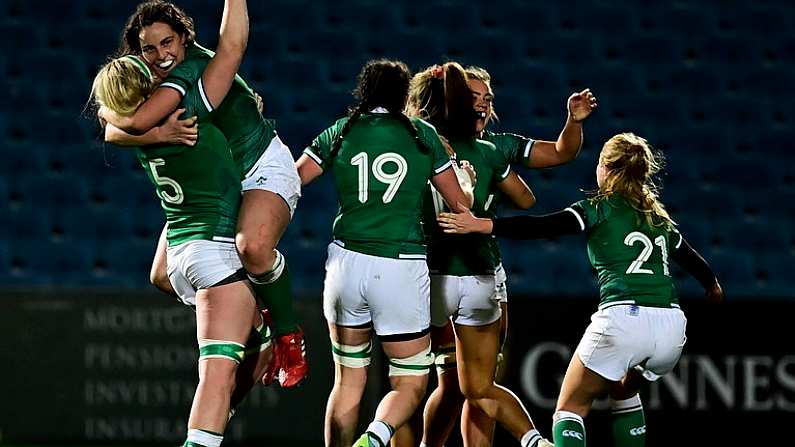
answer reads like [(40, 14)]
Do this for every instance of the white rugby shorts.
[(275, 172), (392, 293), (622, 337), (200, 264), (468, 300)]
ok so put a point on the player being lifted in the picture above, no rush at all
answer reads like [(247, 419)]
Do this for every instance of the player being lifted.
[(376, 275), (199, 190), (638, 331), (163, 35)]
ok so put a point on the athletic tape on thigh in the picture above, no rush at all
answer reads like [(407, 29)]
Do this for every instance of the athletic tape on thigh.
[(445, 359), (418, 364), (357, 356), (220, 349)]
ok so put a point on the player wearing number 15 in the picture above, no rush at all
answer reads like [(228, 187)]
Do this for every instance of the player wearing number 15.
[(376, 275), (638, 332)]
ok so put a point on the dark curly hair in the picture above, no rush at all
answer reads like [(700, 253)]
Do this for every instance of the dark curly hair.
[(381, 83), (151, 12)]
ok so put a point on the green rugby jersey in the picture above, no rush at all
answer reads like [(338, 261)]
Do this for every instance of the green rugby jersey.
[(381, 173), (515, 148), (238, 118), (469, 254), (199, 186), (629, 255)]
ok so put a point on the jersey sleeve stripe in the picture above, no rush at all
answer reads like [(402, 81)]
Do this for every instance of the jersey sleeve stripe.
[(529, 147), (313, 156), (579, 218), (443, 167), (176, 87), (205, 100), (678, 244), (506, 172)]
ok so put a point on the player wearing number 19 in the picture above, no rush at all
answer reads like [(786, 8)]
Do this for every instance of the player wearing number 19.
[(638, 332), (376, 275)]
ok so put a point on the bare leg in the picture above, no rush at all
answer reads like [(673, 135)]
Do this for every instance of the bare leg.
[(407, 392), (477, 428), (158, 274), (444, 404), (261, 222), (580, 387), (342, 408), (250, 371), (476, 350), (218, 311)]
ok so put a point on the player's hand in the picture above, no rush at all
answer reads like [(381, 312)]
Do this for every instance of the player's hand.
[(715, 293), (177, 131), (470, 170), (260, 103), (463, 222), (581, 105)]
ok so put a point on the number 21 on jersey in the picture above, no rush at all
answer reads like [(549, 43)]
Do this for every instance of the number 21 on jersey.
[(648, 247), (393, 180)]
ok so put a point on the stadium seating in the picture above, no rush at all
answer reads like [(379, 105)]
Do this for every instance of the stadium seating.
[(705, 83)]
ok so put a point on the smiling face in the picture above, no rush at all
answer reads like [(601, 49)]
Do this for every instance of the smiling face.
[(161, 47), (483, 99)]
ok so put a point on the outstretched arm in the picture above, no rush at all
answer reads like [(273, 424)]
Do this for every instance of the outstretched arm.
[(566, 148), (692, 262), (552, 225)]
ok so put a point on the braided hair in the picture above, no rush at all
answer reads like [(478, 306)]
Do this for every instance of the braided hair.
[(381, 83)]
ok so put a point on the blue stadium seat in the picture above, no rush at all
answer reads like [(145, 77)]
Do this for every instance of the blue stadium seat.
[(50, 191)]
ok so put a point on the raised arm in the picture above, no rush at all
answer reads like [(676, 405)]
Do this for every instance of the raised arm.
[(217, 78), (566, 148), (220, 72)]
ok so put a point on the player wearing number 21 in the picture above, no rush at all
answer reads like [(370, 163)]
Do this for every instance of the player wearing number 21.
[(376, 275), (638, 332)]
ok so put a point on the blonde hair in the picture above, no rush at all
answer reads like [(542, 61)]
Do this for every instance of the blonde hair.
[(482, 75), (630, 165), (440, 95), (122, 85)]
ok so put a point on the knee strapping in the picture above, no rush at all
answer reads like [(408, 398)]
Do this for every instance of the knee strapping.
[(418, 364), (444, 359), (215, 349), (351, 356), (279, 264)]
